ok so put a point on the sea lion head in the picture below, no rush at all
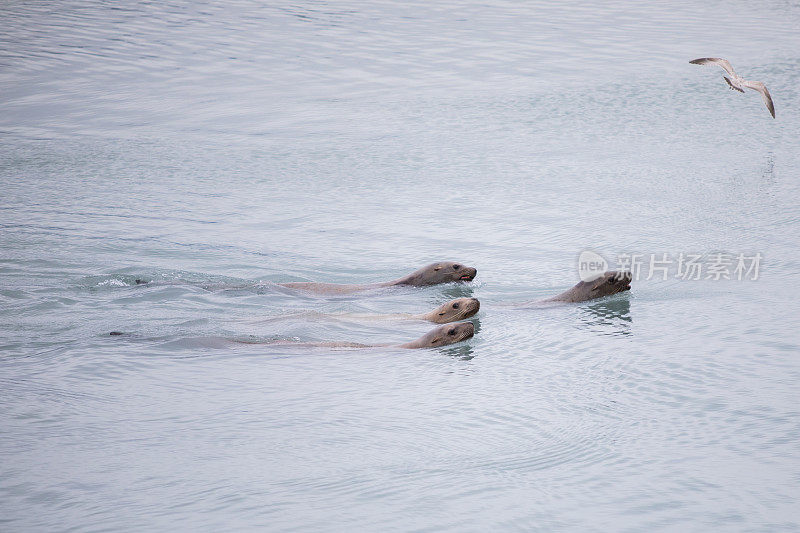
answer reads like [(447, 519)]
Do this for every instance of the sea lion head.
[(443, 272), (610, 282), (446, 334), (454, 310)]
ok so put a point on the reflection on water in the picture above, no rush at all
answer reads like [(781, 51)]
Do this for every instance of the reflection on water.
[(464, 352), (769, 168), (609, 316), (452, 291)]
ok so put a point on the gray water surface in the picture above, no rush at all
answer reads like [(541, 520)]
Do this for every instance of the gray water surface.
[(213, 149)]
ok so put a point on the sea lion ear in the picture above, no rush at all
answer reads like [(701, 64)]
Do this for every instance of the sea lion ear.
[(437, 339), (437, 268), (597, 285)]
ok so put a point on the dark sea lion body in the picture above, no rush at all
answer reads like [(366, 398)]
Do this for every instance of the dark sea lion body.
[(433, 274), (610, 282)]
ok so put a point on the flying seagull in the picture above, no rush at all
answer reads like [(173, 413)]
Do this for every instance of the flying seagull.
[(736, 82)]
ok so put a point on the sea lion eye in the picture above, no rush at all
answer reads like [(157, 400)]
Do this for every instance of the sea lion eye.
[(455, 305), (456, 267), (451, 332)]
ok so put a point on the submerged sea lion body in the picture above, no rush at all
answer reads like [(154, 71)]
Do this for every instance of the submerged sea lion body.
[(452, 311), (433, 274), (441, 336), (610, 282)]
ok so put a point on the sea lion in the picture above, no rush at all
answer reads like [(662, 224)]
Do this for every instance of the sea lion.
[(440, 336), (611, 282), (443, 335), (452, 311), (433, 274)]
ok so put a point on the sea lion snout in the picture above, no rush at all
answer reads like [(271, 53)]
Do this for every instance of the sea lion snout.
[(465, 307), (468, 273), (454, 310), (460, 331), (460, 272), (619, 280), (443, 336), (623, 279), (452, 333), (444, 272)]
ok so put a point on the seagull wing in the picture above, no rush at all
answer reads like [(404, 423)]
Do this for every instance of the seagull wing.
[(760, 87), (724, 63)]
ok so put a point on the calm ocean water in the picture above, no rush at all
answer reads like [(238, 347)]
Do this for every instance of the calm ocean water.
[(216, 148)]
